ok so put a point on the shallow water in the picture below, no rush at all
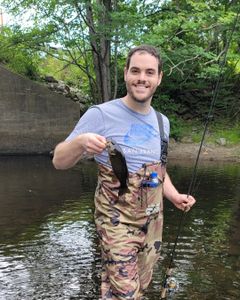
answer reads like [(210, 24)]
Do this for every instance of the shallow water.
[(48, 244)]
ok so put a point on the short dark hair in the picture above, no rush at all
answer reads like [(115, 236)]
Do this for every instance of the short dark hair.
[(145, 48)]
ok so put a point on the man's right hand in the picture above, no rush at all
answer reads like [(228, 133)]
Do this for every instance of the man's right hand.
[(68, 153), (92, 143)]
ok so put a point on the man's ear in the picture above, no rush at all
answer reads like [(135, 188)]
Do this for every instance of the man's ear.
[(125, 73), (160, 78)]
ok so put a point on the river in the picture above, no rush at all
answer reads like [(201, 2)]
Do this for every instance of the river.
[(49, 248)]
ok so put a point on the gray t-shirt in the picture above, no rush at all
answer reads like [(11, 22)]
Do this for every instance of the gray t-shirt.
[(137, 134)]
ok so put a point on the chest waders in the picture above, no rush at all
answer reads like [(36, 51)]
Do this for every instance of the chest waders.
[(130, 227)]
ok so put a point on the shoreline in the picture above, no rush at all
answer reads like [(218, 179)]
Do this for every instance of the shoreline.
[(189, 151), (176, 151)]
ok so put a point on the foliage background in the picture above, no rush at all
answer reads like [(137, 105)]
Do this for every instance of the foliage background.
[(85, 43)]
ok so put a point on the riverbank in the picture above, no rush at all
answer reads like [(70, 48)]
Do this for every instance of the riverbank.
[(209, 152)]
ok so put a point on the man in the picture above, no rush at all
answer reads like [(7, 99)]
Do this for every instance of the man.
[(129, 226)]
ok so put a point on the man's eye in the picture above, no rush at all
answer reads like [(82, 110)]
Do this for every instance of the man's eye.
[(134, 71), (150, 72)]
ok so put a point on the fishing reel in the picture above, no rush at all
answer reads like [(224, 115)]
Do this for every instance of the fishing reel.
[(170, 287)]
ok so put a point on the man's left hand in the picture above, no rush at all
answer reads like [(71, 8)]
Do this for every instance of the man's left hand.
[(184, 202)]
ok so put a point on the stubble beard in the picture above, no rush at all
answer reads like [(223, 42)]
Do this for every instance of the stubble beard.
[(139, 100)]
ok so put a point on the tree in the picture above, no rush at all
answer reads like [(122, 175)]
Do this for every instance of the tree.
[(95, 35), (89, 32), (193, 37), (16, 56)]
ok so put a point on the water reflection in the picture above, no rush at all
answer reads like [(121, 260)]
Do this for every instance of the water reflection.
[(48, 244)]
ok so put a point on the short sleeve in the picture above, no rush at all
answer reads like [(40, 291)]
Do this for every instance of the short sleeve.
[(91, 122)]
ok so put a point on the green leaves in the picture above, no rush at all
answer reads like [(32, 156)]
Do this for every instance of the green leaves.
[(96, 35)]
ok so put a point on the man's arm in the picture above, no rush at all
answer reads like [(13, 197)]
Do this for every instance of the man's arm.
[(68, 153), (181, 201)]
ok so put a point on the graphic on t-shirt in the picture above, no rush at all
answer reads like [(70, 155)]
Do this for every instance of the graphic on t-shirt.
[(139, 134)]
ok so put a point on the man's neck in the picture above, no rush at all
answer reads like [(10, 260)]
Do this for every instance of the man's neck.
[(142, 108)]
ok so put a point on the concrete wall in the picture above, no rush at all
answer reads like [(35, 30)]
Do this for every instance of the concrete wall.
[(33, 118)]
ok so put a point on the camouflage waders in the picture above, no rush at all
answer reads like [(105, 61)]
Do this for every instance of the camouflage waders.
[(130, 231)]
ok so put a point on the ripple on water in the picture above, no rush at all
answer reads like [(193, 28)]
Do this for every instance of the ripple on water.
[(49, 249)]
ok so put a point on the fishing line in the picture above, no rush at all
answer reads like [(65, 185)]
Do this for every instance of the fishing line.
[(192, 184)]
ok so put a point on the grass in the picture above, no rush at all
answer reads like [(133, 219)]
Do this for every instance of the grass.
[(193, 131)]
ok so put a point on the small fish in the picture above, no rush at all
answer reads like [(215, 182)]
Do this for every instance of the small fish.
[(119, 165)]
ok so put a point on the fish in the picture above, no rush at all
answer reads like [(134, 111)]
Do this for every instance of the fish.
[(119, 166)]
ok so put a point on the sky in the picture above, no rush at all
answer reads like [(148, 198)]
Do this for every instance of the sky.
[(6, 18), (10, 20)]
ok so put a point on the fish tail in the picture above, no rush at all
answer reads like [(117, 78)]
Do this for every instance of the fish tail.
[(123, 191)]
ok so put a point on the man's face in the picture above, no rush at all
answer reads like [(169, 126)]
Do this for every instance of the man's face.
[(142, 78)]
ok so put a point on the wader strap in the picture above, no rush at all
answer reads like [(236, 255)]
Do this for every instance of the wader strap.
[(164, 141)]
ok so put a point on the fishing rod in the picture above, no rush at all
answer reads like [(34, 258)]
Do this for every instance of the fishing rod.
[(170, 284)]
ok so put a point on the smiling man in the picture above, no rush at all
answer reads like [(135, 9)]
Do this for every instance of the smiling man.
[(129, 226), (142, 75)]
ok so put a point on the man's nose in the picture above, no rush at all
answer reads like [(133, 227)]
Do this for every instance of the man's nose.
[(142, 76)]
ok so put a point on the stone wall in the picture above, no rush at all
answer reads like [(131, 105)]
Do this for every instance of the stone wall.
[(33, 118)]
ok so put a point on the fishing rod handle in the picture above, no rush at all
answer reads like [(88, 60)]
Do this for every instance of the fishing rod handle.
[(163, 294)]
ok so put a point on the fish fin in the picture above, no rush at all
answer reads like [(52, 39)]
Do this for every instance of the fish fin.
[(123, 191), (128, 191)]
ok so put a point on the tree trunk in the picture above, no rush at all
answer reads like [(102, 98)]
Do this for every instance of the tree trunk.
[(101, 47)]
